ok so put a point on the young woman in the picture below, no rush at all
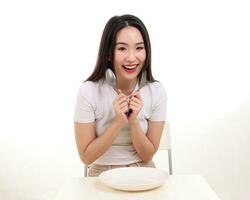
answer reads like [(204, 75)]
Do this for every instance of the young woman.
[(120, 125)]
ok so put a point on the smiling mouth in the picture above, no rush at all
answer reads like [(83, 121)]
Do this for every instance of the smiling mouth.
[(130, 68)]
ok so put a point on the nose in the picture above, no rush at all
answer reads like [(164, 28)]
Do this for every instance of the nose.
[(131, 57)]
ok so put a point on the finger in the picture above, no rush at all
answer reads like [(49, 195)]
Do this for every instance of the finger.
[(134, 103), (122, 100), (135, 99), (134, 108), (123, 104), (125, 109), (135, 94)]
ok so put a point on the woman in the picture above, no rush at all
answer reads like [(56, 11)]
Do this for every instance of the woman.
[(121, 125)]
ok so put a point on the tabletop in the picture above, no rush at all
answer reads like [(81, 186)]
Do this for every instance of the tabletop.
[(176, 187)]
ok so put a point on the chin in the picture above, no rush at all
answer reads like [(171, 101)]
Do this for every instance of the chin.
[(130, 77)]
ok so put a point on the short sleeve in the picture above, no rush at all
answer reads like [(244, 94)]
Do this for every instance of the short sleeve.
[(159, 103), (84, 108)]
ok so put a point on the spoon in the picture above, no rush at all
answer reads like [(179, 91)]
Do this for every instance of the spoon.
[(111, 79), (143, 81)]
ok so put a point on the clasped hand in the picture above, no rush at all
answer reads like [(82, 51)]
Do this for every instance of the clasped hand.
[(127, 108)]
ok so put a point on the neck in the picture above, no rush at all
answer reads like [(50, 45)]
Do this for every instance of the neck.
[(127, 87)]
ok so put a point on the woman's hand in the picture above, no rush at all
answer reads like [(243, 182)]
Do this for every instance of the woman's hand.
[(120, 106), (135, 104)]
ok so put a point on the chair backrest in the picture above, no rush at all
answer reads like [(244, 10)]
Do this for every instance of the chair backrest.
[(165, 144)]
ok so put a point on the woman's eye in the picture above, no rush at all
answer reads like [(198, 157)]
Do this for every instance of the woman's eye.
[(140, 48), (121, 48)]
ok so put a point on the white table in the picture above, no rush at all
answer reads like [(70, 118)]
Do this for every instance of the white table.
[(177, 187)]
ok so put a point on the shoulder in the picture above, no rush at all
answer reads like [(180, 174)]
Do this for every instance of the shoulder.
[(159, 101), (89, 89), (157, 88), (90, 86), (157, 92), (87, 85)]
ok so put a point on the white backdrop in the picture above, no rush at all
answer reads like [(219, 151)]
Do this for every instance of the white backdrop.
[(200, 53)]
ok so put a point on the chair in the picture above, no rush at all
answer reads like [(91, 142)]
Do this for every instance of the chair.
[(165, 145)]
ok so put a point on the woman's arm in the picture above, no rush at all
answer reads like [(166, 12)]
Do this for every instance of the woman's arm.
[(146, 145), (90, 147)]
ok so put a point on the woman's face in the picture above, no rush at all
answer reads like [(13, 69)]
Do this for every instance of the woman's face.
[(129, 54)]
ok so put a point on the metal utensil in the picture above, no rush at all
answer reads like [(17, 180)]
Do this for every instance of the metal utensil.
[(111, 79), (143, 81)]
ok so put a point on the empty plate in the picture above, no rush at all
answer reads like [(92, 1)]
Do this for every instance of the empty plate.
[(133, 178)]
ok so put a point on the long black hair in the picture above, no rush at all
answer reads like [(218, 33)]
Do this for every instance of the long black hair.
[(107, 46)]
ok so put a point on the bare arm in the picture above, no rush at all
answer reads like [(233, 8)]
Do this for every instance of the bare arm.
[(90, 147), (146, 145)]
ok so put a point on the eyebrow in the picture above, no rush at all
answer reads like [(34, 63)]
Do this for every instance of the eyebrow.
[(127, 44)]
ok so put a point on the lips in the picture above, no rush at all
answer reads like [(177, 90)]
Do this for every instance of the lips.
[(130, 68)]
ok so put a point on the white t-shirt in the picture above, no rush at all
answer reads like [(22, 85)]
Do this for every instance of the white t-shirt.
[(94, 104)]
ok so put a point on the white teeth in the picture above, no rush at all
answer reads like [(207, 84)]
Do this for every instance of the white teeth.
[(130, 67)]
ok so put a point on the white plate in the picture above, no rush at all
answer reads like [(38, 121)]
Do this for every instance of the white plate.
[(133, 178)]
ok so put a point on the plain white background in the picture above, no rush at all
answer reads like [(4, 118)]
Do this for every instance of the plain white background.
[(200, 53)]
